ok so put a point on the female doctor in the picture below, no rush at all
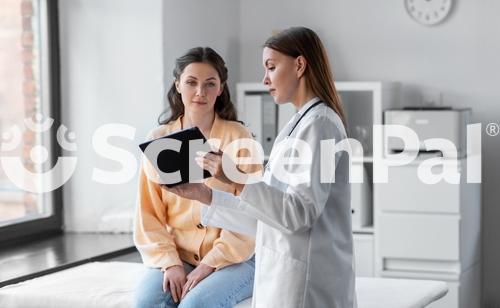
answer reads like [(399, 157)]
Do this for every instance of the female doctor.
[(302, 224)]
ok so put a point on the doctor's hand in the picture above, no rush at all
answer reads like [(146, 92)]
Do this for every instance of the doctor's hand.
[(212, 162), (174, 278), (198, 274), (192, 191)]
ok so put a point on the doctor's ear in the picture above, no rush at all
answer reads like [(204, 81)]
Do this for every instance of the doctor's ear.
[(301, 64)]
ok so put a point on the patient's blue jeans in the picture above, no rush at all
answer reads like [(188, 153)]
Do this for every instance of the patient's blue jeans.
[(223, 288)]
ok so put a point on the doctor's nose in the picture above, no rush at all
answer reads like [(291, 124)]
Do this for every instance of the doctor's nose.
[(266, 81)]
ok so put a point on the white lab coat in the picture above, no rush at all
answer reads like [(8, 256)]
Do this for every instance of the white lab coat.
[(304, 247)]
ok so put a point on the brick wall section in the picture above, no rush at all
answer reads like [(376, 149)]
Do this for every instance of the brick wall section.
[(30, 93)]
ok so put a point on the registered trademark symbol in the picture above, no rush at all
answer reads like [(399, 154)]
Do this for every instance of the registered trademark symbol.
[(492, 129)]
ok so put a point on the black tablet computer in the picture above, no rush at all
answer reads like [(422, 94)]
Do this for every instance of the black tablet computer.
[(168, 156)]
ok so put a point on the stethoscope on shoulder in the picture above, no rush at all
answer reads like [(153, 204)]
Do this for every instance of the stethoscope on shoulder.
[(295, 125)]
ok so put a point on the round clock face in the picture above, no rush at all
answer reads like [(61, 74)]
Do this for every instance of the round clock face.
[(428, 12)]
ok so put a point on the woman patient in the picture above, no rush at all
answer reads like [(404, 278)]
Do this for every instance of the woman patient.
[(191, 265)]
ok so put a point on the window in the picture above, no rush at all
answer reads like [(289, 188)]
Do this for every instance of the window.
[(29, 117)]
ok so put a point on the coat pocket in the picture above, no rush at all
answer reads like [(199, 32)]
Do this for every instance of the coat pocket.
[(281, 280)]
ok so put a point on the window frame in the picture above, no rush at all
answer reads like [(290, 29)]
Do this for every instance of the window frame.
[(53, 224)]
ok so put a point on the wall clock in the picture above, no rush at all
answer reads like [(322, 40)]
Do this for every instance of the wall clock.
[(428, 12)]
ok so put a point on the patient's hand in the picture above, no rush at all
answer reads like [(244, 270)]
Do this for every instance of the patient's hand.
[(192, 191), (197, 275), (174, 278)]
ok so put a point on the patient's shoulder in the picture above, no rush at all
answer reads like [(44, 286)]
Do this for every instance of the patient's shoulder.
[(235, 129), (160, 131)]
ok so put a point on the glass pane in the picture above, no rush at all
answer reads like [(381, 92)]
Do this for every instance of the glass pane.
[(23, 147)]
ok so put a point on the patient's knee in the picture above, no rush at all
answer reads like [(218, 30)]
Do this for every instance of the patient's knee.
[(143, 301), (152, 300), (192, 302), (195, 301)]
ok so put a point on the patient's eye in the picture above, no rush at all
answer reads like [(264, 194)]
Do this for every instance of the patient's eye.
[(191, 82)]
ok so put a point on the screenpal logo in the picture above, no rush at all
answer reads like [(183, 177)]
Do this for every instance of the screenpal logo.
[(37, 182)]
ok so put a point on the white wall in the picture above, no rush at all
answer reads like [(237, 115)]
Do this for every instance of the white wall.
[(376, 40), (114, 55), (112, 72), (193, 23)]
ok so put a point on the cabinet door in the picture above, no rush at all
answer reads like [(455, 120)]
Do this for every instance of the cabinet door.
[(361, 199), (253, 115), (419, 242), (405, 192), (363, 255)]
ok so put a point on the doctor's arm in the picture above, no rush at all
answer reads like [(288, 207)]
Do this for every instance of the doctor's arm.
[(226, 216), (297, 208), (223, 213)]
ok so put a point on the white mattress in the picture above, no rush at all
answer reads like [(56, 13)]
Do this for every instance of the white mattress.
[(111, 284)]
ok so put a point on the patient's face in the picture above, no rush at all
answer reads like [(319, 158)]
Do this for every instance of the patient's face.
[(199, 86)]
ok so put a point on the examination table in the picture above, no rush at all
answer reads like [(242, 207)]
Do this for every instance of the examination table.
[(111, 284)]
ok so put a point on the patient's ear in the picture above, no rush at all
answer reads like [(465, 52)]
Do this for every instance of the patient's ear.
[(176, 82), (221, 88)]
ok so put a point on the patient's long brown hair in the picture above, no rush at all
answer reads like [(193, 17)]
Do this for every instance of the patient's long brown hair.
[(301, 41), (223, 105)]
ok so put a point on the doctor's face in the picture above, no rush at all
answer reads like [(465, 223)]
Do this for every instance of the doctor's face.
[(280, 75), (199, 86)]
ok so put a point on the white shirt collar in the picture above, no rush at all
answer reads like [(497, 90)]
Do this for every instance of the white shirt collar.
[(308, 104)]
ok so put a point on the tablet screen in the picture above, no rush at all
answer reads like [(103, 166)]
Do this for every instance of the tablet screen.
[(173, 156)]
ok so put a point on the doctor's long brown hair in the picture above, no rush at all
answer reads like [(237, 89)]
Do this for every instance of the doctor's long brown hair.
[(223, 105), (301, 41)]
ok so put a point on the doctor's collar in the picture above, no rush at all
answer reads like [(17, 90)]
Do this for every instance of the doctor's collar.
[(308, 104)]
